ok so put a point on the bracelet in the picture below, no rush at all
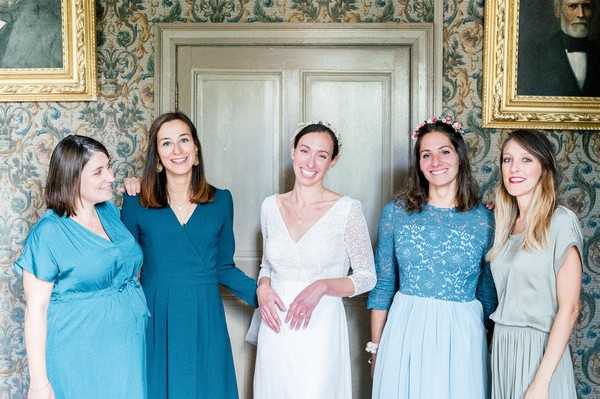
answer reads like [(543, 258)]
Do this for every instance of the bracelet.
[(46, 385), (372, 347)]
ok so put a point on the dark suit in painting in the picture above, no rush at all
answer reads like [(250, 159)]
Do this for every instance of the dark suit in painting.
[(546, 71)]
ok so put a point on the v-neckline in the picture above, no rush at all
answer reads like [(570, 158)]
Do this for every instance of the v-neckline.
[(187, 221), (311, 227), (108, 239)]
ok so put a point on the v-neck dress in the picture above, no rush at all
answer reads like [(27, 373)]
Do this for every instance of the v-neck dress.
[(189, 352), (97, 315), (313, 362)]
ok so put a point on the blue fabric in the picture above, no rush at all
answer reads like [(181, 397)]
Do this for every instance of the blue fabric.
[(436, 253), (189, 352), (97, 314), (432, 349)]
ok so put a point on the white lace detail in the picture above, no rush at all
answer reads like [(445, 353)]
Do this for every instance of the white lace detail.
[(358, 248), (336, 243)]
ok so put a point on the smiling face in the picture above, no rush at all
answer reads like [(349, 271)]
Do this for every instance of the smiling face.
[(438, 159), (176, 148), (521, 171), (312, 157), (96, 180), (575, 16)]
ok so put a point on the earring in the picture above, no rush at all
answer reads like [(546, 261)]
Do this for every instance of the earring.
[(159, 167), (196, 160)]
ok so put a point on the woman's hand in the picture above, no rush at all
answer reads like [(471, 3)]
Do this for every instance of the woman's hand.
[(372, 361), (43, 392), (303, 305), (268, 302), (537, 390), (132, 185)]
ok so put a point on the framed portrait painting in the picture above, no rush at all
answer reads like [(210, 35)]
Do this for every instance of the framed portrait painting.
[(47, 50), (542, 64)]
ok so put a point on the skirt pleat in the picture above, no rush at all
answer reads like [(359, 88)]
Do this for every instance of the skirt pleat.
[(516, 356), (432, 348)]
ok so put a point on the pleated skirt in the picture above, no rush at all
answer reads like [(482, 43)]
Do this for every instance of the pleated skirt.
[(432, 348), (516, 356), (311, 363)]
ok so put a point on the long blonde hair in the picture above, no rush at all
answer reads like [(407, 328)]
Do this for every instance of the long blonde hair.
[(543, 201)]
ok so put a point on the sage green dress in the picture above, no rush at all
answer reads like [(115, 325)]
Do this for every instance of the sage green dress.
[(527, 305)]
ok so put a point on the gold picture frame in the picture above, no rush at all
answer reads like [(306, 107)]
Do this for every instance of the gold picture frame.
[(503, 107), (73, 76)]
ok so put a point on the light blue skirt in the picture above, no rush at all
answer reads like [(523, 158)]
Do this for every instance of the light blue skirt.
[(432, 348)]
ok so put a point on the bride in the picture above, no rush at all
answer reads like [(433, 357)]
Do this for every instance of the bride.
[(312, 237)]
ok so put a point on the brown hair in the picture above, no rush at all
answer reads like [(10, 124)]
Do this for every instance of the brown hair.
[(417, 191), (154, 184), (506, 210), (319, 127), (64, 173)]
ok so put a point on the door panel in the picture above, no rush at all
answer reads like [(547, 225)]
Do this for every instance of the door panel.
[(247, 102), (358, 106), (237, 115)]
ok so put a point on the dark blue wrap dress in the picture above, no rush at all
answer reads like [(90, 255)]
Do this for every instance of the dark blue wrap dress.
[(189, 352)]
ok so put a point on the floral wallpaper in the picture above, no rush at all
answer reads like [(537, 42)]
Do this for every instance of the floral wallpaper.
[(120, 118)]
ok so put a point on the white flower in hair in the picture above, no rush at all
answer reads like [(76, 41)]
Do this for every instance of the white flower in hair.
[(328, 125)]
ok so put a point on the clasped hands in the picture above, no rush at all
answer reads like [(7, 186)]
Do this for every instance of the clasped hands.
[(300, 310)]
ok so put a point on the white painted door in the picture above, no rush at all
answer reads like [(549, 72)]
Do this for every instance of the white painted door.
[(247, 101)]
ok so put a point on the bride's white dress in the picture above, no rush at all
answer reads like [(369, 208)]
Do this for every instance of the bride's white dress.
[(311, 363)]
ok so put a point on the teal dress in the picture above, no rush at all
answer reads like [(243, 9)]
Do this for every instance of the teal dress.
[(97, 315), (189, 352)]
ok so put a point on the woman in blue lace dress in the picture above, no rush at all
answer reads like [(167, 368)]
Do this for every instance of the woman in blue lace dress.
[(427, 319)]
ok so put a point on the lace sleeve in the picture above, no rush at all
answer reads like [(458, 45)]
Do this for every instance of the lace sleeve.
[(385, 263), (265, 266), (358, 248)]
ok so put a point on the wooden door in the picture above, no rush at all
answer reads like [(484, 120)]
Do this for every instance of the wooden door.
[(247, 102)]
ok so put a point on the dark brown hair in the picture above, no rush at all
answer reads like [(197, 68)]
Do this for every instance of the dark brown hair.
[(417, 191), (64, 174), (319, 127), (154, 184)]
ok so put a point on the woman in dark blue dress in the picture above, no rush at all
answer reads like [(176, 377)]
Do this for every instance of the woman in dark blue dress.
[(185, 229)]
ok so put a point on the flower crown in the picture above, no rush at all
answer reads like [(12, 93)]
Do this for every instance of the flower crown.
[(302, 125), (446, 119)]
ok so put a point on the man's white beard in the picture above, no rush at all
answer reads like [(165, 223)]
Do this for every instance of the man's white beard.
[(574, 30)]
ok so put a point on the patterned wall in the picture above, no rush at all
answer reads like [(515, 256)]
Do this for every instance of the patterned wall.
[(29, 131)]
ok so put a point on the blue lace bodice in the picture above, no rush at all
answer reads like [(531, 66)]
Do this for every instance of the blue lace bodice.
[(437, 253)]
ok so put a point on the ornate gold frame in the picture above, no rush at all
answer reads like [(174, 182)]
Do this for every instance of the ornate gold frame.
[(502, 107), (76, 81)]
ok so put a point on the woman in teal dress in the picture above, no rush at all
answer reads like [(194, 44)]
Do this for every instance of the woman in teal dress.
[(86, 315), (185, 228)]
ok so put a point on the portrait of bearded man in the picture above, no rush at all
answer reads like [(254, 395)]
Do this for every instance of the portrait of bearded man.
[(561, 57)]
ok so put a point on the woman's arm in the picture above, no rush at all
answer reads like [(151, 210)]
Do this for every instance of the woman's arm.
[(381, 297), (228, 274), (37, 297), (568, 288), (487, 295)]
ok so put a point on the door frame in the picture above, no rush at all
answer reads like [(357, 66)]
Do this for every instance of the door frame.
[(423, 39)]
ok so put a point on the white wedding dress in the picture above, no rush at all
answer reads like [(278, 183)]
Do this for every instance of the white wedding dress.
[(311, 363)]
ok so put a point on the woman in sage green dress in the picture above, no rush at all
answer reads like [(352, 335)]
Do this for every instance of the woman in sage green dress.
[(536, 266), (185, 229), (86, 315)]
